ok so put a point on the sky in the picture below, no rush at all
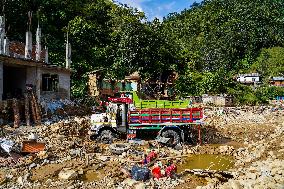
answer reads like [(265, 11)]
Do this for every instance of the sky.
[(159, 8)]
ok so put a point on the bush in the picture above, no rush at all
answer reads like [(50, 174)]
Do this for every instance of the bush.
[(246, 95)]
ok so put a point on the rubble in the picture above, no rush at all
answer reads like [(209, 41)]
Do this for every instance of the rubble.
[(67, 174), (252, 136)]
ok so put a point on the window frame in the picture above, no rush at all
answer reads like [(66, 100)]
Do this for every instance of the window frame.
[(49, 82)]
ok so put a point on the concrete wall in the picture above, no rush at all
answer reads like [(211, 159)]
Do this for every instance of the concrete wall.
[(64, 84), (218, 100), (32, 78), (1, 80)]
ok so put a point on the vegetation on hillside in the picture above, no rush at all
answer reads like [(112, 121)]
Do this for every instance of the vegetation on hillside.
[(207, 44)]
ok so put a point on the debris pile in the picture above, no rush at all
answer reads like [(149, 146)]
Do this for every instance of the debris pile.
[(259, 163), (60, 154)]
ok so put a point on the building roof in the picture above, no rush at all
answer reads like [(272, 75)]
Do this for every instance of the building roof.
[(279, 78), (249, 75), (19, 61)]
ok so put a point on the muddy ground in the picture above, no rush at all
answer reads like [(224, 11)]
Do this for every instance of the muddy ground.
[(247, 143)]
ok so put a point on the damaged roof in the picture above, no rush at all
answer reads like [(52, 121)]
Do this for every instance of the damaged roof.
[(17, 50), (20, 61)]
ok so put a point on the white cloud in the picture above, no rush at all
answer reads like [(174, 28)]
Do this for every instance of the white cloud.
[(134, 3), (158, 8)]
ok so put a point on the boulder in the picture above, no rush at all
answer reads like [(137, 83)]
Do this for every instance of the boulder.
[(67, 174), (141, 185), (129, 182)]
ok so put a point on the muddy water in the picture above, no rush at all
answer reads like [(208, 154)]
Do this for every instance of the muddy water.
[(91, 175), (207, 161)]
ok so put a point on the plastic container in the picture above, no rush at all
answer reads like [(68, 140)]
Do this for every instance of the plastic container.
[(156, 172)]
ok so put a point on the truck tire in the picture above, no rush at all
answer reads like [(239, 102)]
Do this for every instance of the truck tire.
[(106, 136), (118, 148), (174, 137)]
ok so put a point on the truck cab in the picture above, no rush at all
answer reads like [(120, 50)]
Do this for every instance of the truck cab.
[(108, 125)]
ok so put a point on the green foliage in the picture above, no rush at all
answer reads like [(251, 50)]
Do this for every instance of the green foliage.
[(261, 95), (223, 38), (270, 62), (207, 44)]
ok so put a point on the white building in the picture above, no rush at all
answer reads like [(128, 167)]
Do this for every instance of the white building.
[(251, 78)]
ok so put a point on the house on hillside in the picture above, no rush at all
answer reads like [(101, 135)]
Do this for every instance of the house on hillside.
[(277, 81), (98, 86), (218, 100), (251, 78), (23, 65)]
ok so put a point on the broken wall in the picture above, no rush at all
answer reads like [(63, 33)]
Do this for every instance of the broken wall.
[(93, 85), (63, 84)]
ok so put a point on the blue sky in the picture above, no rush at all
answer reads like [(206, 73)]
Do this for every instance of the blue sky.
[(159, 8)]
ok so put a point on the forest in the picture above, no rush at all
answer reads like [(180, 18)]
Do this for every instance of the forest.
[(207, 44)]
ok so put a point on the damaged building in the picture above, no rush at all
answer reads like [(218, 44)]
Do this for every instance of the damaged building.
[(23, 65), (153, 88)]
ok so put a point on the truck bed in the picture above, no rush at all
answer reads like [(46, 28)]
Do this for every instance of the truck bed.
[(178, 116)]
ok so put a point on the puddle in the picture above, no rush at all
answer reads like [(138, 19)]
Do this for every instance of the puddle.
[(46, 171), (92, 175), (207, 161)]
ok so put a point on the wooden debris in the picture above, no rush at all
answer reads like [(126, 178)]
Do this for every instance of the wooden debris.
[(37, 110), (27, 110), (33, 111), (207, 172), (16, 113)]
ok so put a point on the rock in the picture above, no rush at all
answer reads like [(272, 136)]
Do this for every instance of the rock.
[(32, 165), (33, 136), (60, 137), (226, 149), (251, 176), (42, 155), (103, 158), (235, 185), (178, 147), (3, 180), (48, 181), (81, 172), (124, 154), (75, 152), (67, 174), (20, 181), (189, 151), (130, 182)]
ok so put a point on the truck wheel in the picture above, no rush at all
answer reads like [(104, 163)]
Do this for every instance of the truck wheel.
[(118, 148), (106, 136), (174, 137)]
